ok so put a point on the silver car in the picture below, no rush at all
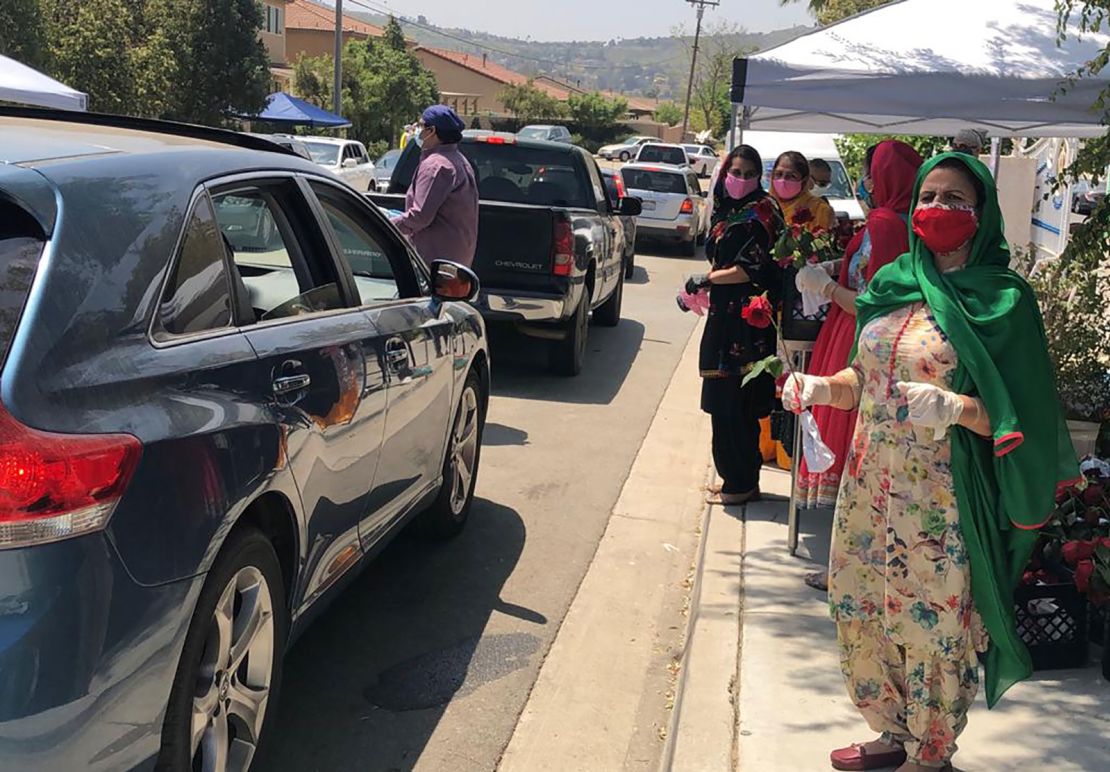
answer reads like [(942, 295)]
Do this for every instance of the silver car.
[(548, 133), (625, 151), (345, 158), (702, 159), (674, 207)]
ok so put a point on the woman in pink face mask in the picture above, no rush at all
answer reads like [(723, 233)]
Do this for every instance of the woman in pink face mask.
[(746, 224), (790, 185)]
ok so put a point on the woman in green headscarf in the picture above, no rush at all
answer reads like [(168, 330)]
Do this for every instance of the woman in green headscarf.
[(956, 458)]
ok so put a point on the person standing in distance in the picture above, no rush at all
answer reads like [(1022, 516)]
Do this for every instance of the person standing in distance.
[(441, 206)]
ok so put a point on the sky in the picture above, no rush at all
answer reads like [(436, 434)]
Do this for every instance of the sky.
[(563, 20)]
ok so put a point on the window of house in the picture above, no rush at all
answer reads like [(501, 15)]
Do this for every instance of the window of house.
[(275, 20), (198, 296)]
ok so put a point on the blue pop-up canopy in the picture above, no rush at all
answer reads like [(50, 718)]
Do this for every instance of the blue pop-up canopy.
[(283, 108)]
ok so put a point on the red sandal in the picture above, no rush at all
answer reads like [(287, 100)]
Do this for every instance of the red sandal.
[(856, 757)]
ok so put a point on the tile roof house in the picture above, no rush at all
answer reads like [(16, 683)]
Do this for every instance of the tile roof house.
[(472, 83)]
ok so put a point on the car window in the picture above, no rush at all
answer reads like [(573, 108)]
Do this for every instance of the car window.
[(694, 185), (366, 253), (600, 196), (611, 189), (654, 181), (324, 153), (21, 246), (525, 175), (198, 295), (277, 252), (666, 155)]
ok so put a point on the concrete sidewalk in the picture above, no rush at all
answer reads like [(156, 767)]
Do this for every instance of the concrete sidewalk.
[(791, 708)]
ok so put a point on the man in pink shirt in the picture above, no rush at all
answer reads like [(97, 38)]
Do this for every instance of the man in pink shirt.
[(441, 207)]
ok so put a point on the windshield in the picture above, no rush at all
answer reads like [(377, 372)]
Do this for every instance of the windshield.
[(323, 153), (840, 186), (533, 133), (654, 181)]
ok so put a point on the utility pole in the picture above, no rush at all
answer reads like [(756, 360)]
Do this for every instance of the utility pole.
[(338, 85), (700, 6)]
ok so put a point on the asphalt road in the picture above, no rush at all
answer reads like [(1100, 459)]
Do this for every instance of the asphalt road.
[(426, 661)]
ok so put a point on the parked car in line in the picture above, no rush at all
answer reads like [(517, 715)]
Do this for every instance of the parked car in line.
[(702, 159), (202, 437), (1085, 196), (289, 142), (614, 186), (345, 158), (674, 208), (383, 170), (548, 133), (625, 151), (548, 252), (658, 153)]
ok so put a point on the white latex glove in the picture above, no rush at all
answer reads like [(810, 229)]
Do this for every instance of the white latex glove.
[(932, 407), (812, 279), (802, 391)]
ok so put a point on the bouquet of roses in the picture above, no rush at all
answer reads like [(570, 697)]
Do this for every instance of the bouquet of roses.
[(798, 245), (1075, 543)]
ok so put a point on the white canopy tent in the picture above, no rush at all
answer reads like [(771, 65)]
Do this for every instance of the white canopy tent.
[(24, 85), (926, 67)]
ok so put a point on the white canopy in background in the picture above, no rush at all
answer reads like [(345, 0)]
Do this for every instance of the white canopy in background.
[(926, 67), (23, 85)]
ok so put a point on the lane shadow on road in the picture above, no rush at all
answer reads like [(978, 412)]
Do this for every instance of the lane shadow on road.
[(520, 368), (367, 684)]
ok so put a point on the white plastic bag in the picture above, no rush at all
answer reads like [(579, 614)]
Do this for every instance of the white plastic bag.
[(818, 456), (813, 302)]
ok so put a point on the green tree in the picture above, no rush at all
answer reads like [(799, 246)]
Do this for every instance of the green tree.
[(384, 85), (219, 65), (830, 11), (93, 45), (853, 148), (593, 112), (23, 32), (529, 103), (669, 113)]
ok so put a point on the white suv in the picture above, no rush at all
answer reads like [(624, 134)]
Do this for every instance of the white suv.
[(345, 158)]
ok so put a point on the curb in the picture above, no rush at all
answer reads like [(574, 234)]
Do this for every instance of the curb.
[(691, 619)]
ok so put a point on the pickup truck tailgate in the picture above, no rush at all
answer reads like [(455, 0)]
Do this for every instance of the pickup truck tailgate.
[(514, 246)]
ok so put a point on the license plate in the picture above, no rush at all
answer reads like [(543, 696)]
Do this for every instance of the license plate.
[(649, 206)]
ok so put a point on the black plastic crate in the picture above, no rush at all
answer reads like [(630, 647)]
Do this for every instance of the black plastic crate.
[(795, 324), (1097, 625), (782, 429), (1052, 621)]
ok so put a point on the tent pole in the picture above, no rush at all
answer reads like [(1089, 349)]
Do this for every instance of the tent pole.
[(338, 85), (996, 153)]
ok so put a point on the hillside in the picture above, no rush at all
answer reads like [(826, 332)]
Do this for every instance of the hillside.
[(644, 66)]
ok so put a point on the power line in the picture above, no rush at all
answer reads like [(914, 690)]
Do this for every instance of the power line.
[(492, 49), (700, 5)]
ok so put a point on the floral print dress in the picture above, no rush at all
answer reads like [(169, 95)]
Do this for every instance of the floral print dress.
[(899, 579)]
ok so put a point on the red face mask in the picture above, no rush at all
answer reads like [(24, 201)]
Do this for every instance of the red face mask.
[(945, 229)]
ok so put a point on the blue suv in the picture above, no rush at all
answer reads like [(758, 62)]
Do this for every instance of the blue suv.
[(227, 381)]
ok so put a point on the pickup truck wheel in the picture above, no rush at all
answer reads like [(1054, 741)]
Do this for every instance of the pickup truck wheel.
[(566, 356), (608, 313), (447, 515)]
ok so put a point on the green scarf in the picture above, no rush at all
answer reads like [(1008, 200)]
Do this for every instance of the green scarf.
[(1005, 490)]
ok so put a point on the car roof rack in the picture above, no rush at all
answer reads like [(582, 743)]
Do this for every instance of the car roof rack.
[(153, 125)]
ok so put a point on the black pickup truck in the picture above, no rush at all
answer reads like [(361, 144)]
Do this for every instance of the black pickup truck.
[(548, 239)]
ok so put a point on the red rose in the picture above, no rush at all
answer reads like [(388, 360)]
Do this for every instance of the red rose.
[(1083, 573), (1076, 552), (757, 313), (802, 216), (1027, 578), (1092, 515)]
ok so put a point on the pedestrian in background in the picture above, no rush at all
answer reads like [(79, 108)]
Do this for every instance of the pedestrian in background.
[(943, 492), (969, 142), (744, 283), (441, 207), (820, 178), (890, 170), (790, 184)]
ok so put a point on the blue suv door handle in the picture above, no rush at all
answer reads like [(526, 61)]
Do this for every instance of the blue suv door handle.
[(289, 381)]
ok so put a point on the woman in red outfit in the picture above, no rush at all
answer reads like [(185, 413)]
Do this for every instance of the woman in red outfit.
[(888, 180)]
